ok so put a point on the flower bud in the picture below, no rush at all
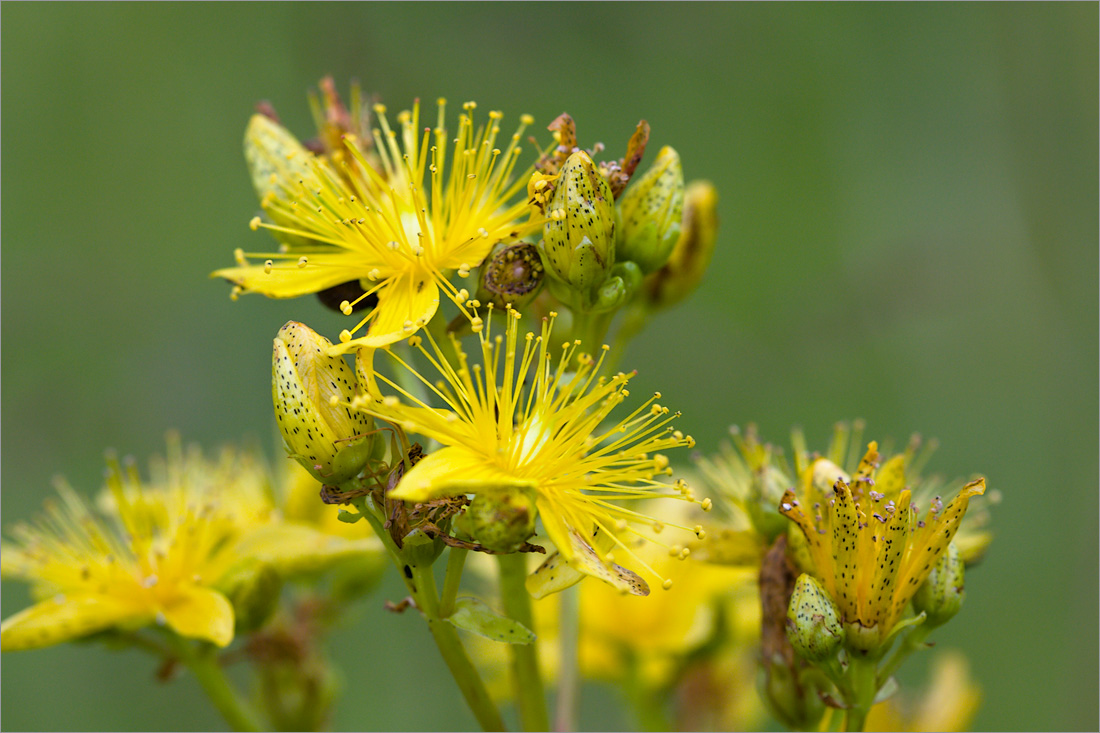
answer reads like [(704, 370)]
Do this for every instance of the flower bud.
[(511, 275), (501, 519), (578, 245), (813, 621), (680, 275), (331, 441), (652, 211), (275, 159), (941, 595), (253, 587)]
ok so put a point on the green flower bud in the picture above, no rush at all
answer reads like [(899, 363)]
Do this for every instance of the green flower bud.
[(652, 211), (253, 588), (942, 593), (813, 621), (501, 519), (511, 275), (275, 158), (578, 247), (680, 275), (311, 391)]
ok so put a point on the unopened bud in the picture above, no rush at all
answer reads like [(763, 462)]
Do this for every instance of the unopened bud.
[(511, 275), (253, 588), (652, 212), (578, 245), (690, 256), (502, 519), (332, 441), (275, 160), (813, 621), (942, 593)]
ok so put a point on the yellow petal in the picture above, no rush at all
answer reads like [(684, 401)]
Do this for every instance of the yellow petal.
[(845, 520), (890, 478), (286, 279), (558, 572), (405, 304), (200, 613), (62, 619), (453, 470), (295, 548), (553, 576), (930, 543), (818, 543), (888, 561)]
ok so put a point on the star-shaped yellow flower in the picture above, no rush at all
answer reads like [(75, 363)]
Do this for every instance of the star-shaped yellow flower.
[(422, 205), (529, 418)]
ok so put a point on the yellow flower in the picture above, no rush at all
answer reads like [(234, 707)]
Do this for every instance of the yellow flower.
[(161, 552), (397, 229), (153, 555), (867, 544), (528, 419), (949, 703)]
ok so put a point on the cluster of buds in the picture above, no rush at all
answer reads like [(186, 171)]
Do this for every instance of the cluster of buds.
[(610, 237)]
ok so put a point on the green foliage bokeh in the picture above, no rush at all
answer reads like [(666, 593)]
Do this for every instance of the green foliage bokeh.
[(909, 235)]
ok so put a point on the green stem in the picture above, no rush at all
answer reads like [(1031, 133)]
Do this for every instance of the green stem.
[(456, 559), (569, 674), (913, 641), (423, 589), (590, 329), (863, 678), (525, 662), (203, 663), (450, 647)]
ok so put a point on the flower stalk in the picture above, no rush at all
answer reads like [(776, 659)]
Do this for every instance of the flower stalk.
[(526, 679)]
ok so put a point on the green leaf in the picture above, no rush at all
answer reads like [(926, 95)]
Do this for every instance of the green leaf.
[(475, 616)]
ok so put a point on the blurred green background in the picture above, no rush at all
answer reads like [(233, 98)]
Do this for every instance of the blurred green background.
[(909, 235)]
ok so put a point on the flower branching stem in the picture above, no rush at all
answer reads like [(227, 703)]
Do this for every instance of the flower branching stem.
[(565, 712), (202, 660), (422, 587), (526, 678)]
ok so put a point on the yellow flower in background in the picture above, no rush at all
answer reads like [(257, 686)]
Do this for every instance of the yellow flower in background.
[(398, 229), (526, 422), (154, 556), (866, 541), (948, 704), (170, 551)]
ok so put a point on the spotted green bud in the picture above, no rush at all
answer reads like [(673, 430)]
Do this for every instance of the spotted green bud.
[(311, 391), (275, 159), (813, 621), (511, 275), (684, 269), (652, 210), (578, 246), (501, 519), (942, 593), (253, 587)]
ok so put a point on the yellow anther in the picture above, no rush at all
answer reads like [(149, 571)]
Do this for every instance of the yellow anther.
[(415, 341), (238, 255), (345, 307), (345, 336), (674, 550), (476, 324), (267, 267), (390, 401), (380, 109), (334, 400), (374, 274), (408, 326), (706, 504), (527, 119), (667, 583), (684, 553), (302, 261), (700, 532), (254, 223)]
